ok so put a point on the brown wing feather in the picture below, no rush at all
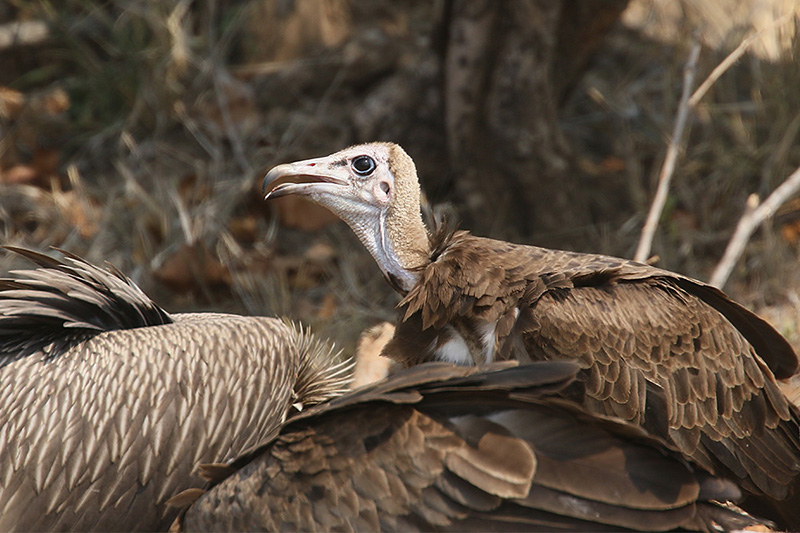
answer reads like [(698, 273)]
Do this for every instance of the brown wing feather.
[(494, 275), (466, 455), (687, 357), (657, 348)]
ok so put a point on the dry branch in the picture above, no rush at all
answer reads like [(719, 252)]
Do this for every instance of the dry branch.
[(754, 215), (664, 179), (649, 229)]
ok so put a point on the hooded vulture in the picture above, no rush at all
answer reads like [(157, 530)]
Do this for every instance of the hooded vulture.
[(440, 447), (108, 404), (658, 349)]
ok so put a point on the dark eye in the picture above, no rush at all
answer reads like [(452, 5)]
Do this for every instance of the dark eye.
[(363, 165)]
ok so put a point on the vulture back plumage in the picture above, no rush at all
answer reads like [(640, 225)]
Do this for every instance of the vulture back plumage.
[(440, 447), (656, 348), (108, 404)]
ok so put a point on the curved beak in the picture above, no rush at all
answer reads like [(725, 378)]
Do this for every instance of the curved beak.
[(300, 178)]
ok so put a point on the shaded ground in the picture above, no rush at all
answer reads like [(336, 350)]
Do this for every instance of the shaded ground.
[(147, 149)]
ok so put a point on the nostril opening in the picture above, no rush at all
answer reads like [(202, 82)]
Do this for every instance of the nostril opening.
[(385, 187)]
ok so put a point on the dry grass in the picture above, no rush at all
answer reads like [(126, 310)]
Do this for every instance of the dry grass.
[(175, 114)]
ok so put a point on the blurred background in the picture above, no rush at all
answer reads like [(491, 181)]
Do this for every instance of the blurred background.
[(138, 132)]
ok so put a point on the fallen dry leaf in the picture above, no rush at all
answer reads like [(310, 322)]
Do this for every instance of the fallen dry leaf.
[(193, 191), (328, 307), (299, 213), (45, 161), (19, 174), (11, 102), (613, 164), (40, 172), (684, 220), (244, 229), (791, 232), (320, 252), (191, 267), (788, 220), (275, 31), (298, 272), (608, 165), (236, 99), (82, 213), (306, 271), (38, 121), (55, 101)]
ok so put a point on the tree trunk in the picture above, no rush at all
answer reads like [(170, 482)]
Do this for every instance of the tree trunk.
[(472, 91), (506, 68)]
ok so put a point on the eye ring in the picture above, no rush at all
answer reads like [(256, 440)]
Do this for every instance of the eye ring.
[(363, 165)]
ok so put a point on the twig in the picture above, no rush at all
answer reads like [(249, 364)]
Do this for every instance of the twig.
[(230, 127), (25, 33), (649, 229), (38, 32), (179, 49), (222, 100), (732, 58), (754, 215), (189, 233), (191, 124)]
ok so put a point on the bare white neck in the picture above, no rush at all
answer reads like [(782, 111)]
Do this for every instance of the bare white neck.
[(398, 251)]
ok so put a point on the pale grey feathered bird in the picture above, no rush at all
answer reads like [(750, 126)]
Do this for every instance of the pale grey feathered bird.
[(108, 404), (659, 349)]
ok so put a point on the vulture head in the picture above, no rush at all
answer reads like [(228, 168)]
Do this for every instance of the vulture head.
[(374, 188)]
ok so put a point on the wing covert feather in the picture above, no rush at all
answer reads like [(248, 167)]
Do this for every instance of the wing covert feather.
[(472, 453)]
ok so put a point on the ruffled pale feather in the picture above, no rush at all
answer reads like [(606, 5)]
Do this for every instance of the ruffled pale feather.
[(111, 404)]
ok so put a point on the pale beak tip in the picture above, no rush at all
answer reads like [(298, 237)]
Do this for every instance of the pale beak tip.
[(275, 173), (268, 179)]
